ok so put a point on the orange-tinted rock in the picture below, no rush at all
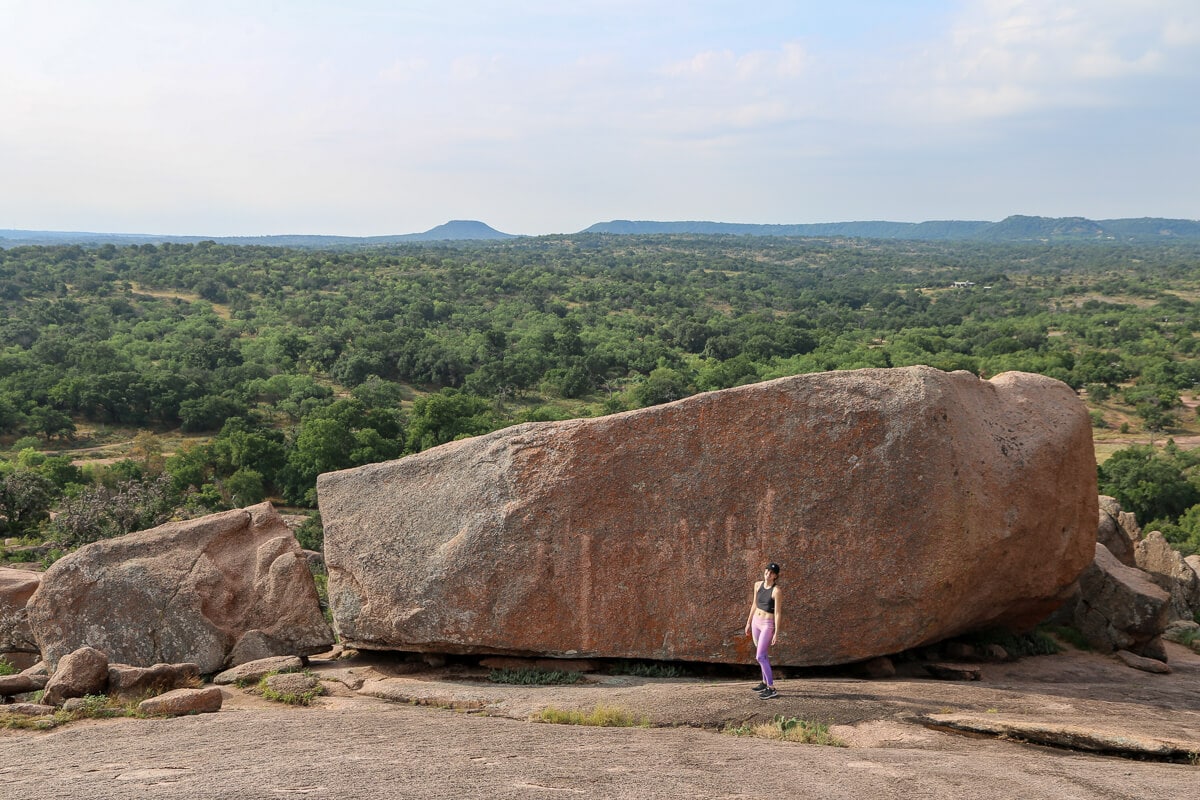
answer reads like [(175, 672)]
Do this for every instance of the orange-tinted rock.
[(202, 591), (179, 702), (905, 506)]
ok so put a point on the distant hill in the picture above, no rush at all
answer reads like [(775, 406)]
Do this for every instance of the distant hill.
[(1012, 229), (455, 230), (1016, 228)]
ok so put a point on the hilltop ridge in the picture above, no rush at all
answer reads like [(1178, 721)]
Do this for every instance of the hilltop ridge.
[(1015, 228)]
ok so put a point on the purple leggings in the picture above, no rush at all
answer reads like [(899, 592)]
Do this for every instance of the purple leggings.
[(762, 629)]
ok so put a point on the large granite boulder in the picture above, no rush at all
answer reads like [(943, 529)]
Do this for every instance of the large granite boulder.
[(905, 506), (16, 587), (195, 591)]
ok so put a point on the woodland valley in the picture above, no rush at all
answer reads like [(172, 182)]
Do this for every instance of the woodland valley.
[(140, 383)]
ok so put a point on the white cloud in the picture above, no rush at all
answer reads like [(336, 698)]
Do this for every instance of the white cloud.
[(1007, 57)]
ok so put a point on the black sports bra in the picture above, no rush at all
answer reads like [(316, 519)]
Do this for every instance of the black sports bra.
[(765, 599)]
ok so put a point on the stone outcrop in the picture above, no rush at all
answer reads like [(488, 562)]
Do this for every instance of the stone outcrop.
[(16, 587), (906, 506), (80, 673), (1119, 607), (1168, 569), (1118, 530), (208, 591)]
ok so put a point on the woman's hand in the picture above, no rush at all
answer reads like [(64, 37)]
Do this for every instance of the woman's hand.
[(774, 636)]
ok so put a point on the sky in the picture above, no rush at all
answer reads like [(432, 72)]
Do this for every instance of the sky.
[(365, 118)]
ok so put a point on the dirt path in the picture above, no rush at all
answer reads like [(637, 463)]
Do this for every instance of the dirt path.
[(356, 744)]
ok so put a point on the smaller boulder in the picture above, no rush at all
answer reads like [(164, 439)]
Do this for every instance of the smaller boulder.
[(254, 671), (131, 682), (183, 701), (79, 673), (291, 687), (19, 684), (1119, 607), (1168, 569)]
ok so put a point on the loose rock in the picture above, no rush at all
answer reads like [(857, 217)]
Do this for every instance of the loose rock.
[(254, 671), (183, 701), (82, 672), (1144, 664)]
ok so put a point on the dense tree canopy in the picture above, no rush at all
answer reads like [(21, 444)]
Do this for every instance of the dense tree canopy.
[(290, 362)]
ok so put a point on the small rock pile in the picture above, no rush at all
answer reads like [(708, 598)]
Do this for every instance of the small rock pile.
[(163, 689), (1136, 592)]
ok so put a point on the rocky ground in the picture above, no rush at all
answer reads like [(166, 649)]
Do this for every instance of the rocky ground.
[(391, 730)]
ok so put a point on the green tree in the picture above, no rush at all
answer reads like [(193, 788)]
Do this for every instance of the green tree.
[(1148, 483), (25, 500)]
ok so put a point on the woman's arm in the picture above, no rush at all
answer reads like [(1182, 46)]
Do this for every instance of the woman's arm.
[(750, 616), (778, 613)]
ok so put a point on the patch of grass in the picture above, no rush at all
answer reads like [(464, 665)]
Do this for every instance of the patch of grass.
[(601, 716), (1072, 636), (534, 677), (648, 669), (94, 706), (305, 698), (6, 667), (11, 721), (789, 729), (1189, 639)]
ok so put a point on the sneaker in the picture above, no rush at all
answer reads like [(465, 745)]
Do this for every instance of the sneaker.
[(761, 686), (768, 693)]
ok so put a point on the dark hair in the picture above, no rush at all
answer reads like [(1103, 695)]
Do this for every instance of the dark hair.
[(773, 567)]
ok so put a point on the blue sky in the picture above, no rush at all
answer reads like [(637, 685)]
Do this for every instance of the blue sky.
[(361, 118)]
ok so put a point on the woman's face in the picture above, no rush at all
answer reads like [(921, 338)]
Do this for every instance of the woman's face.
[(768, 576)]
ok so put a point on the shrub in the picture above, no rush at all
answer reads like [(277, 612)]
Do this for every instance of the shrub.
[(533, 677), (1035, 643), (6, 667), (648, 669), (789, 729)]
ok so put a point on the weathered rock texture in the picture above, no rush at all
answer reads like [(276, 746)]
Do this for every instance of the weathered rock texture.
[(139, 682), (906, 506), (205, 591), (1119, 607), (1168, 569), (82, 672), (183, 701), (1118, 530), (16, 587)]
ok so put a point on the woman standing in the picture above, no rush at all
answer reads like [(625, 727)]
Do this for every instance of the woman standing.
[(763, 625)]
